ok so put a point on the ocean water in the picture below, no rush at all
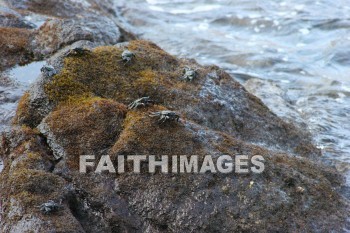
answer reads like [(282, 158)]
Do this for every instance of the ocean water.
[(293, 54)]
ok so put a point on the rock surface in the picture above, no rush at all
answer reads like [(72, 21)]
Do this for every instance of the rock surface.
[(83, 110), (35, 30), (65, 22)]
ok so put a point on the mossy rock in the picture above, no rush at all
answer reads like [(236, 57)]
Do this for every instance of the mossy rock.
[(83, 127), (15, 47), (213, 99), (102, 73)]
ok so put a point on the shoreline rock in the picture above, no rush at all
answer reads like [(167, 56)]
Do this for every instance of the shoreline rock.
[(88, 115), (83, 110), (22, 43)]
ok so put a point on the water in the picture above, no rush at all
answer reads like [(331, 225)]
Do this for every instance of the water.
[(13, 84), (293, 54)]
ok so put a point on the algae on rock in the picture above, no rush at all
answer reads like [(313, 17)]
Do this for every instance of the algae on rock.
[(83, 111)]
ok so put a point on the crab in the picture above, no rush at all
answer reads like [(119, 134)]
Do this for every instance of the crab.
[(165, 116), (189, 74), (50, 207), (78, 51), (142, 102), (127, 56), (48, 71)]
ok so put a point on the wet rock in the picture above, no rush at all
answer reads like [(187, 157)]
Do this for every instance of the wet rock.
[(54, 25), (29, 183), (214, 99), (106, 114), (9, 95), (61, 8), (83, 111), (35, 104), (10, 18), (277, 100), (57, 33)]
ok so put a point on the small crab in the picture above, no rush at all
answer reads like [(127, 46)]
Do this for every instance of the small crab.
[(142, 102), (78, 51), (127, 56), (165, 116), (48, 71), (189, 74), (50, 207)]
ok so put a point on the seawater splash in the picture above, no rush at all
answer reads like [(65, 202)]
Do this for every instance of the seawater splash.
[(13, 84), (293, 54)]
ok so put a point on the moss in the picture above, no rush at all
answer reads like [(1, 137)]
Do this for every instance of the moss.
[(149, 83), (86, 126), (57, 9), (22, 113), (32, 160), (102, 73), (28, 200), (64, 89), (143, 134), (34, 182), (14, 47), (305, 149), (27, 113)]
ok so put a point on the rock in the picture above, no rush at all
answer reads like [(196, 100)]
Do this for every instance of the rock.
[(57, 33), (66, 22), (61, 8), (106, 114), (15, 46), (214, 100), (9, 95), (29, 182), (83, 111), (12, 19), (276, 98)]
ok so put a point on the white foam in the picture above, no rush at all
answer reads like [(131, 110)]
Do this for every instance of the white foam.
[(304, 31), (283, 4), (203, 26), (156, 8), (155, 2), (299, 7), (196, 9)]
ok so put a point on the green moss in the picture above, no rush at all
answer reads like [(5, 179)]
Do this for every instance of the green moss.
[(22, 114), (64, 89), (148, 83), (34, 182), (143, 134), (102, 73), (31, 160), (28, 200), (14, 47), (94, 124)]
